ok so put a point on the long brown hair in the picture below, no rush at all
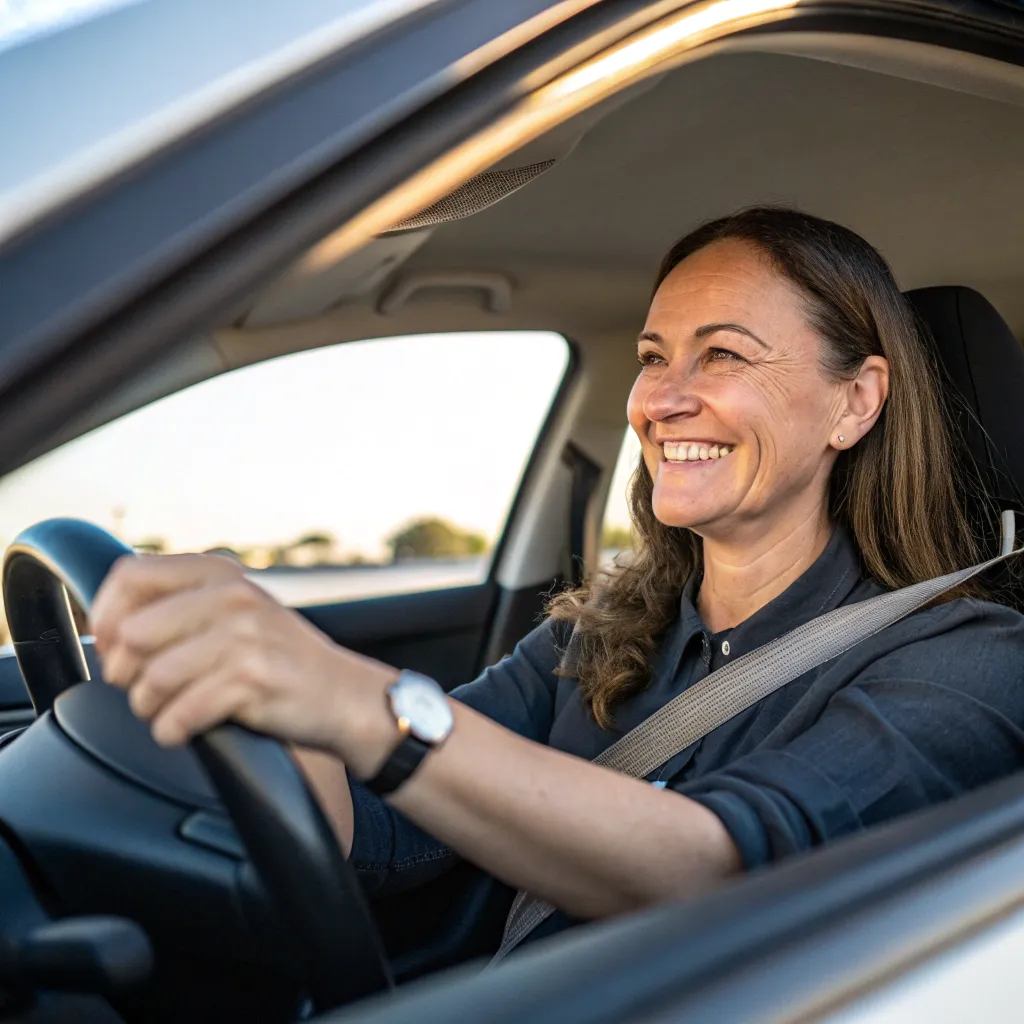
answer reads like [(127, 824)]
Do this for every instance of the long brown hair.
[(894, 490)]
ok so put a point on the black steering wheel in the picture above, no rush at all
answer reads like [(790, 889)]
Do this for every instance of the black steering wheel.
[(288, 840)]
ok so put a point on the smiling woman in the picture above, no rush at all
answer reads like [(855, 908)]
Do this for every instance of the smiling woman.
[(784, 343), (794, 461)]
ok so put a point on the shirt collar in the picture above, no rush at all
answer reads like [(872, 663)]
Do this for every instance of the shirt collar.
[(825, 585)]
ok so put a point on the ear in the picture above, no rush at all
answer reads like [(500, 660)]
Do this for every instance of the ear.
[(862, 401)]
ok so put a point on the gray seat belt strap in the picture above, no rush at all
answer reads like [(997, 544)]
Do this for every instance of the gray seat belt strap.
[(733, 688)]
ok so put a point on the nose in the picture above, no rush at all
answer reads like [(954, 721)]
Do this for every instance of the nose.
[(673, 395)]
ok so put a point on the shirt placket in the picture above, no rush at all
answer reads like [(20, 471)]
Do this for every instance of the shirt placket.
[(700, 670)]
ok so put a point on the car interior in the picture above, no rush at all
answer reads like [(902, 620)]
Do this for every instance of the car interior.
[(916, 148)]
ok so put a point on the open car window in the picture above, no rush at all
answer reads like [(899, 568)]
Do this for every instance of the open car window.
[(616, 536), (350, 471)]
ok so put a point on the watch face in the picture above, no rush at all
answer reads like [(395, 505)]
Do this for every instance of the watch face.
[(423, 704)]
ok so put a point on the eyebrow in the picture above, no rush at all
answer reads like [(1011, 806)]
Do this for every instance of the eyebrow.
[(704, 331)]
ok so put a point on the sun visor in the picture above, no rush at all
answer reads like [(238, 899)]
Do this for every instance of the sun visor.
[(324, 277), (520, 168)]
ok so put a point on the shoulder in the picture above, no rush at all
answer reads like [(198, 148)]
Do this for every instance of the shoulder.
[(545, 644), (531, 666), (966, 643), (968, 621)]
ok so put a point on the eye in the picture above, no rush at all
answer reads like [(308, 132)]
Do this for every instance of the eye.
[(648, 358), (718, 355)]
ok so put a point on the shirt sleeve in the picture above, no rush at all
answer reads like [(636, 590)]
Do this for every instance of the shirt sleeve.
[(924, 723), (389, 852)]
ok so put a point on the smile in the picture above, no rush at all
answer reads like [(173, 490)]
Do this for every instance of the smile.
[(690, 451)]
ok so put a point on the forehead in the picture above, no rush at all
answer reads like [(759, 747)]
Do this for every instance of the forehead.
[(728, 281)]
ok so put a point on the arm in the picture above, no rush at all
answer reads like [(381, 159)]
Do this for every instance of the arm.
[(938, 715), (194, 643), (518, 692), (587, 839), (328, 779)]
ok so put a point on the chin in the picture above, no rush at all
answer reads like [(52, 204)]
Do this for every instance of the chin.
[(686, 511), (683, 519)]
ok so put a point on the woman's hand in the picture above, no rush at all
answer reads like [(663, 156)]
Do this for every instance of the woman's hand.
[(193, 642)]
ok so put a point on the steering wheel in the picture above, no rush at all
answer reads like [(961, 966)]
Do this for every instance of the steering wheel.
[(288, 840)]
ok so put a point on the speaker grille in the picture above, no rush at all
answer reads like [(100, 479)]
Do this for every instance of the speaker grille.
[(475, 195)]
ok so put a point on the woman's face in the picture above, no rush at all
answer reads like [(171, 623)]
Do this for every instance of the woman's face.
[(734, 414)]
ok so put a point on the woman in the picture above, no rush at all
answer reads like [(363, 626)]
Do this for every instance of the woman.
[(795, 458)]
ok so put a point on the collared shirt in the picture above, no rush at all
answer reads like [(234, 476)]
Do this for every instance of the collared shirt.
[(929, 708)]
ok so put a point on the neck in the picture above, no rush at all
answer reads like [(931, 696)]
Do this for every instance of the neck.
[(743, 573)]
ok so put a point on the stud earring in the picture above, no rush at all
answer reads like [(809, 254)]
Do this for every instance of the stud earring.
[(842, 437)]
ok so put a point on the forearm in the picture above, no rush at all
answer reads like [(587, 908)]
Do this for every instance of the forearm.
[(589, 840), (328, 779)]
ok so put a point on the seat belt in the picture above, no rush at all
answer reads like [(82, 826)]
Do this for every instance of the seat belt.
[(733, 688)]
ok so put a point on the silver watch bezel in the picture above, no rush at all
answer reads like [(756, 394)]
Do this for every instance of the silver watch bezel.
[(408, 683)]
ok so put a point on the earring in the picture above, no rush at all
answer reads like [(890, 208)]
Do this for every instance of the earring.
[(842, 437)]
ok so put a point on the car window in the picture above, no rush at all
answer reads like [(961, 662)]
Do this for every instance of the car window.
[(361, 469), (615, 533)]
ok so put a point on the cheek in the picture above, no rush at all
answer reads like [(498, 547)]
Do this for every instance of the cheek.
[(735, 404), (779, 407), (791, 422)]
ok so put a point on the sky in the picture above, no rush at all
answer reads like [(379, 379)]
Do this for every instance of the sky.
[(354, 439)]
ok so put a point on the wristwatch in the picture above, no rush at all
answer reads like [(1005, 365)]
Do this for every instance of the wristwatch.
[(424, 719)]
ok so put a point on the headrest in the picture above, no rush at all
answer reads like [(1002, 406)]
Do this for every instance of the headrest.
[(985, 362)]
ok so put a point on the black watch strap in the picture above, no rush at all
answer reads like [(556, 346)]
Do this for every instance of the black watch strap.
[(404, 760)]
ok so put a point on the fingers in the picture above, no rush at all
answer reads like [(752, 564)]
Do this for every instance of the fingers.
[(172, 671), (166, 621), (135, 582), (194, 643), (200, 707)]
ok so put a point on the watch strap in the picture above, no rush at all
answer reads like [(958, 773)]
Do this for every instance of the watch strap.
[(402, 762)]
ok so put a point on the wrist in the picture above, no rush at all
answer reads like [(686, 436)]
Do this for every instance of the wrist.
[(363, 731), (424, 718)]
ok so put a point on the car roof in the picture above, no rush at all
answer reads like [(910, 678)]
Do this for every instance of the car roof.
[(100, 84)]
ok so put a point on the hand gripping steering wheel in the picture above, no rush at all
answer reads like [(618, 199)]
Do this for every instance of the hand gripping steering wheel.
[(288, 839)]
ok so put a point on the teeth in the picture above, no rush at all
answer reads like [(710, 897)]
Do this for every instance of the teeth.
[(695, 452)]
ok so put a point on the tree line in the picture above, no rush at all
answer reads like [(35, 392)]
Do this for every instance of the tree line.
[(424, 537)]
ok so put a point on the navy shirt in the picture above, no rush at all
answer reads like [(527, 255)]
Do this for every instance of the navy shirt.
[(928, 708)]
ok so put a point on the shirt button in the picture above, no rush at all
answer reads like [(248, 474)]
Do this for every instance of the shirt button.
[(726, 648)]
